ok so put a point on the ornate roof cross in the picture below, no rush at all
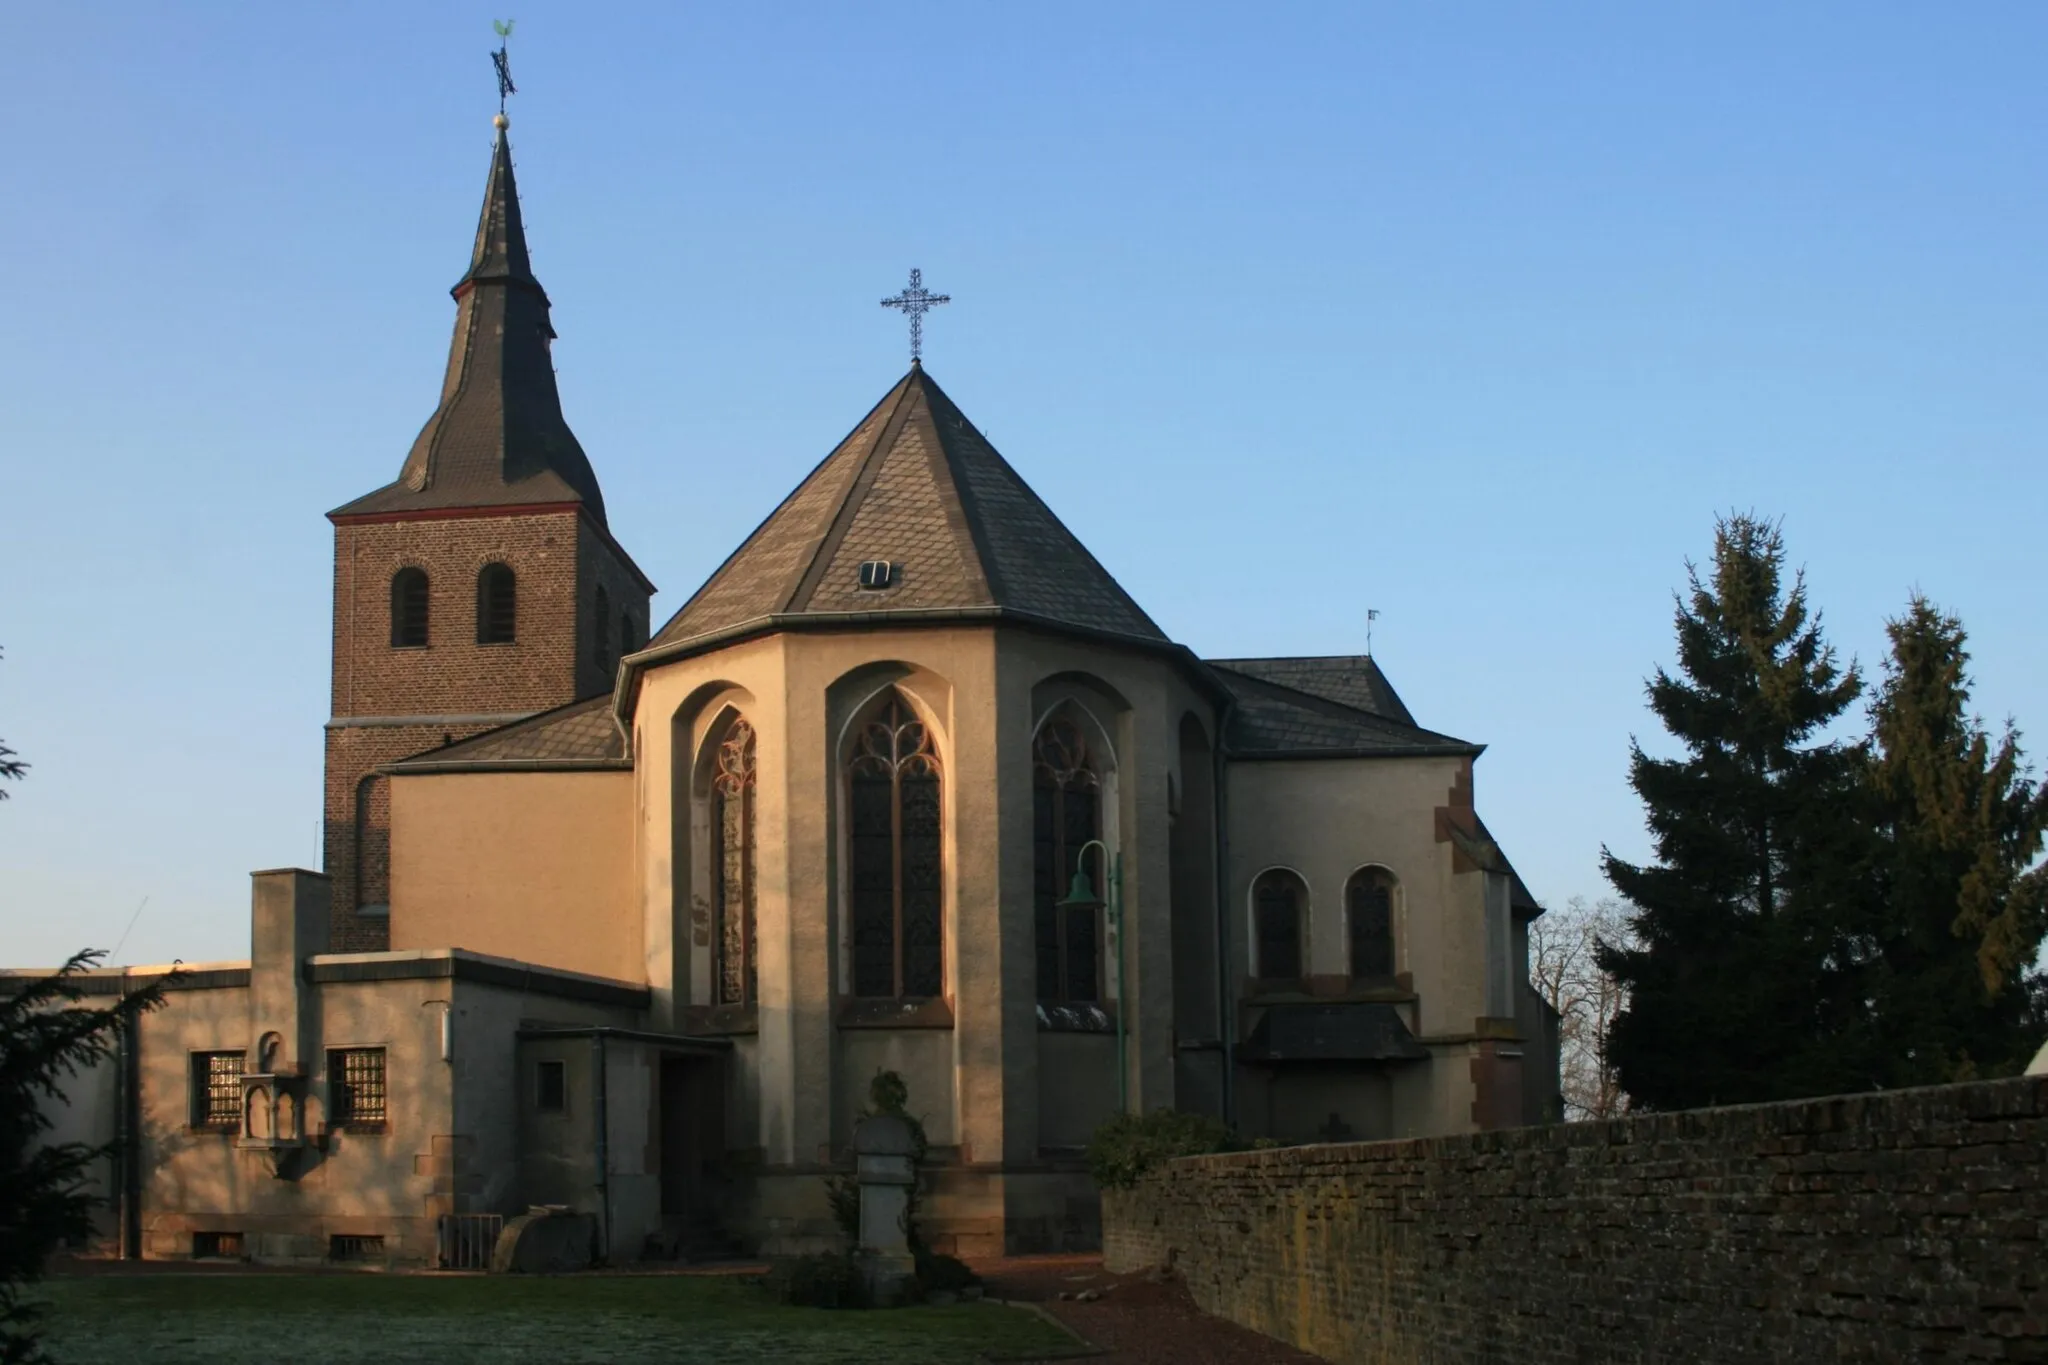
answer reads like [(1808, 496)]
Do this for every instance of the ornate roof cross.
[(500, 60), (916, 301)]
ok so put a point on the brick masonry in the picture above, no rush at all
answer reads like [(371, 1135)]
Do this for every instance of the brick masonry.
[(1905, 1225), (560, 560)]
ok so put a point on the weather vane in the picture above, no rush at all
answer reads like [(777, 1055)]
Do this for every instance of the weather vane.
[(503, 63), (916, 301)]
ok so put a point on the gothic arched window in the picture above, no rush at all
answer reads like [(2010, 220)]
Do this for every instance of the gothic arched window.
[(732, 899), (601, 632), (497, 605), (1369, 912), (1278, 902), (409, 608), (1066, 813), (893, 854)]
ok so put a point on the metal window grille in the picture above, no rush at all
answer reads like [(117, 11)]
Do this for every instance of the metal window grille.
[(465, 1241), (343, 1246), (355, 1082), (216, 1245), (217, 1090)]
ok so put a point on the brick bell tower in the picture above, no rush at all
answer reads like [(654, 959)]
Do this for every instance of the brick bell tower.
[(481, 586)]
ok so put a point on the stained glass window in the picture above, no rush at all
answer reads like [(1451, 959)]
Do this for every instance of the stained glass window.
[(732, 798), (1371, 915), (1277, 899), (894, 840), (1066, 814)]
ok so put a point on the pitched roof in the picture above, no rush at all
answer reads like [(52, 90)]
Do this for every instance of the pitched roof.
[(583, 734), (1352, 679), (1272, 720), (915, 484), (498, 438)]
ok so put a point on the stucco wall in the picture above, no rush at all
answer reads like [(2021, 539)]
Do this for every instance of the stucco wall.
[(532, 866), (1875, 1227)]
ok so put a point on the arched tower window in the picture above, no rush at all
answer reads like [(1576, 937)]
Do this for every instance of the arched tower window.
[(497, 605), (629, 634), (1067, 813), (601, 632), (1278, 902), (894, 856), (732, 814), (1369, 912), (409, 608)]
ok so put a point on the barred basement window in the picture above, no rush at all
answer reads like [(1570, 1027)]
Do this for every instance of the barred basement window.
[(1278, 898), (355, 1247), (497, 605), (217, 1090), (1370, 911), (732, 814), (1067, 813), (355, 1087), (898, 897), (601, 632), (212, 1246), (409, 609), (551, 1087)]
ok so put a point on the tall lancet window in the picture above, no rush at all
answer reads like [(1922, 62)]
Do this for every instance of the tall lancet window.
[(1371, 927), (894, 856), (1067, 813), (1278, 900), (732, 811)]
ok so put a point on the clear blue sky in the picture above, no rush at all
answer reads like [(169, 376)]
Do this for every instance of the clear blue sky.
[(1473, 314)]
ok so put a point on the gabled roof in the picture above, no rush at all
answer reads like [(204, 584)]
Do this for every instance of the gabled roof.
[(917, 485), (1352, 679), (498, 438), (583, 734), (1271, 720)]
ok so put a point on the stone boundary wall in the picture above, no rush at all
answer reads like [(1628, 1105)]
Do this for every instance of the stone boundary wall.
[(1911, 1224)]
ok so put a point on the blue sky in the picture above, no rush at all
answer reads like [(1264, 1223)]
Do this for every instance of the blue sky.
[(1475, 315)]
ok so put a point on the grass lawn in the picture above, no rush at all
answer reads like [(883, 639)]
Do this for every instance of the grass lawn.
[(341, 1319)]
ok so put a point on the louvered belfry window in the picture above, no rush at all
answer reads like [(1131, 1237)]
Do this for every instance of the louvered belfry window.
[(409, 608), (497, 605), (1277, 901), (1371, 927), (1067, 813), (893, 782), (732, 798)]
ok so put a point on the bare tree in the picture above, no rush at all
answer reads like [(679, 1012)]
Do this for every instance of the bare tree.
[(1565, 971)]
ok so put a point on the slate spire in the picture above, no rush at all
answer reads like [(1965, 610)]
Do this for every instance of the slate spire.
[(498, 437)]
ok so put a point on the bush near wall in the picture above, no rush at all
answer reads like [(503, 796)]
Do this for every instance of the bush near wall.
[(1901, 1225)]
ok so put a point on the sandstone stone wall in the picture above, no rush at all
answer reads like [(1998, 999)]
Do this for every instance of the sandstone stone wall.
[(1907, 1225)]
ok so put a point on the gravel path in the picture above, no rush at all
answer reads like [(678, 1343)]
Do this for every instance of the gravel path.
[(1136, 1320)]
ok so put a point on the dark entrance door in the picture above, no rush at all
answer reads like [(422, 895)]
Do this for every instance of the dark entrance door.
[(692, 1135)]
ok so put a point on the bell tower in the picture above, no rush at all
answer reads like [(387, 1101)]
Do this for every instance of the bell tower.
[(479, 587)]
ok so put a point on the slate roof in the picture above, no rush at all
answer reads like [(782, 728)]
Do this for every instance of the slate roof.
[(1273, 720), (1352, 679), (918, 485), (498, 437), (1346, 1031), (582, 734)]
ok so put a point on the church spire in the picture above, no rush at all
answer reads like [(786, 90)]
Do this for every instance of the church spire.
[(498, 437)]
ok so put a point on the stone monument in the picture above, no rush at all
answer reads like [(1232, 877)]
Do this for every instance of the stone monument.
[(885, 1165)]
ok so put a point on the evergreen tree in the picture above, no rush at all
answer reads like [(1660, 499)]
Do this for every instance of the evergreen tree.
[(1744, 982), (1961, 824)]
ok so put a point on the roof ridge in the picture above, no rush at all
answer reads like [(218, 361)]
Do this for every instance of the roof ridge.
[(969, 522)]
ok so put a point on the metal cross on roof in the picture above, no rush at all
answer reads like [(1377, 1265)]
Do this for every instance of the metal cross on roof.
[(500, 60), (916, 301)]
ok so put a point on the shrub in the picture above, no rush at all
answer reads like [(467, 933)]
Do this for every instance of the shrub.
[(939, 1273), (1129, 1145), (832, 1280)]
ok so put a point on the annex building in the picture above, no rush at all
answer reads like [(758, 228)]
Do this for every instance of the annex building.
[(624, 915)]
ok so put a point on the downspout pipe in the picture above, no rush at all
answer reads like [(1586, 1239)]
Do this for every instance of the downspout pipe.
[(601, 1121), (1226, 1014)]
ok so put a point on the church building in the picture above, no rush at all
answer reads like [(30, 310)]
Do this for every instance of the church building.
[(625, 917)]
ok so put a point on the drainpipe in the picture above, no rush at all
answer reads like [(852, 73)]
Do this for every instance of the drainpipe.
[(600, 1118), (127, 1132), (1226, 1014)]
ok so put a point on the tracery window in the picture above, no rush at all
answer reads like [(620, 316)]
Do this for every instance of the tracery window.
[(1278, 899), (409, 608), (1369, 911), (601, 632), (894, 856), (497, 605), (732, 814), (1067, 813)]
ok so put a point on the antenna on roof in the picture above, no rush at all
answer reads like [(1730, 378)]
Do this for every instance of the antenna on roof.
[(1372, 614)]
